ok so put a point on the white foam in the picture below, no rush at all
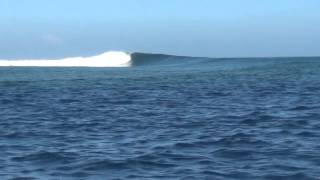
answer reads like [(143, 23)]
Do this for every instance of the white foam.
[(108, 59)]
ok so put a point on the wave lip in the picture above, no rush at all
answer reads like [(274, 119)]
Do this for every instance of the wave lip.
[(107, 59)]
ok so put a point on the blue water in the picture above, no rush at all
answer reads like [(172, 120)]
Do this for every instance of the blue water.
[(163, 118)]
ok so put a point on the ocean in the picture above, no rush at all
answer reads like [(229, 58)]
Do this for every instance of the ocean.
[(162, 117)]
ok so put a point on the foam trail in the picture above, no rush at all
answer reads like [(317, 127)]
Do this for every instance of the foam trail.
[(108, 59)]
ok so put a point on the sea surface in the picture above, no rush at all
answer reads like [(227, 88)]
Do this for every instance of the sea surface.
[(165, 117)]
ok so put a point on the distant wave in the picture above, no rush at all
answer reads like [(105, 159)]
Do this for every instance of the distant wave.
[(108, 59), (124, 59)]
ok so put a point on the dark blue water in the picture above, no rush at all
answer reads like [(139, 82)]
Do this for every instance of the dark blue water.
[(163, 118)]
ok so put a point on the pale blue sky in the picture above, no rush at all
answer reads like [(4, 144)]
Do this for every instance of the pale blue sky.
[(215, 28)]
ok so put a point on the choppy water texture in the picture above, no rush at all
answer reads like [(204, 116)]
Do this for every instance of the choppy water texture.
[(163, 118)]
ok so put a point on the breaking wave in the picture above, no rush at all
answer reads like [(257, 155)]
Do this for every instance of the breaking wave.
[(124, 59), (108, 59)]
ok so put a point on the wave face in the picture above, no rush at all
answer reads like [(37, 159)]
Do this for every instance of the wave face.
[(144, 59), (108, 59)]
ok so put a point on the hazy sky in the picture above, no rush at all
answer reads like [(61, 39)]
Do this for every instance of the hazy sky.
[(215, 28)]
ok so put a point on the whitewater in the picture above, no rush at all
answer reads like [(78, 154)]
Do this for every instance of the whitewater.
[(107, 59)]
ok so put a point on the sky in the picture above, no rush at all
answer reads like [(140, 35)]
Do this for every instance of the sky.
[(211, 28)]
